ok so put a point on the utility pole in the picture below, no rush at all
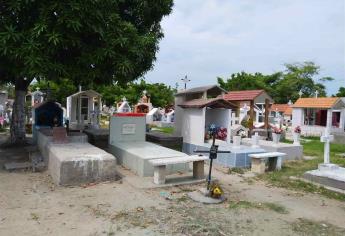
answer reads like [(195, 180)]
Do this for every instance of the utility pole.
[(185, 80)]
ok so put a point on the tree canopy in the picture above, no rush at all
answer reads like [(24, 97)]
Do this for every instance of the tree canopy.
[(86, 41), (341, 92), (283, 85), (97, 41), (160, 94)]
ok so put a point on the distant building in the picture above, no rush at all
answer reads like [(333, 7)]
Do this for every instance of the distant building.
[(282, 110), (313, 114), (252, 102)]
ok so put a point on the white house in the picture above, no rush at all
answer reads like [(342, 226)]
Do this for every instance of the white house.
[(84, 108), (312, 115)]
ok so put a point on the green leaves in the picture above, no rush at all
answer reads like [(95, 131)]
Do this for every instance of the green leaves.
[(53, 39), (282, 86)]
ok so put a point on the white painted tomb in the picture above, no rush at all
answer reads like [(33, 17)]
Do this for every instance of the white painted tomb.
[(195, 111), (123, 107), (127, 143), (84, 109), (327, 173)]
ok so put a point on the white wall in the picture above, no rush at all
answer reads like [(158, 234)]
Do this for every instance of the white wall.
[(342, 119), (220, 117), (297, 117), (178, 115), (193, 125)]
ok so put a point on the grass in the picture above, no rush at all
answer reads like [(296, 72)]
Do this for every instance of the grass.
[(236, 170), (308, 227), (297, 168), (276, 207), (257, 205), (167, 130)]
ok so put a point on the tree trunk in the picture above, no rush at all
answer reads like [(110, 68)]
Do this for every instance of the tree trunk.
[(18, 112)]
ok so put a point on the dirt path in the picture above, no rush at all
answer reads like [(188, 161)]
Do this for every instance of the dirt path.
[(30, 204)]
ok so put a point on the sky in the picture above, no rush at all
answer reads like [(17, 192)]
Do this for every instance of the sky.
[(206, 39)]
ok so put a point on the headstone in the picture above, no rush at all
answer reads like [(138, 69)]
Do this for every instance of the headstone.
[(59, 135)]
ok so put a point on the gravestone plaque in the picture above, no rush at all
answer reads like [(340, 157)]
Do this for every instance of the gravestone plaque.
[(59, 135), (128, 128)]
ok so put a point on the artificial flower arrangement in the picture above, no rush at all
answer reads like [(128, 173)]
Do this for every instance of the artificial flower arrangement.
[(242, 133), (277, 130), (298, 130), (220, 132)]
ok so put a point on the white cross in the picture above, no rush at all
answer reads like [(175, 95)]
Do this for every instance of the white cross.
[(326, 138), (316, 93)]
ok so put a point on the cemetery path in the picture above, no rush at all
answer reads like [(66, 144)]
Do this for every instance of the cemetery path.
[(30, 204)]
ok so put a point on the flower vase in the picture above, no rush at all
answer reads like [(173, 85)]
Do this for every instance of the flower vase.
[(276, 138), (296, 138)]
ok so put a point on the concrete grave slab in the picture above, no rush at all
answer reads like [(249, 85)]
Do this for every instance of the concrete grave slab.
[(136, 156), (76, 163)]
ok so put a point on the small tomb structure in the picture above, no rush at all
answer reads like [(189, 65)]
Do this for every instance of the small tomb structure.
[(47, 114), (196, 109), (123, 106), (144, 105), (313, 114), (127, 143), (84, 109)]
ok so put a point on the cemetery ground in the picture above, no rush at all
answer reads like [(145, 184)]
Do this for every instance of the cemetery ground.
[(272, 204)]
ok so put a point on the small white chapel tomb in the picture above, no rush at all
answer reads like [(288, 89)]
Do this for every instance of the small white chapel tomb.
[(196, 110), (123, 106), (84, 109)]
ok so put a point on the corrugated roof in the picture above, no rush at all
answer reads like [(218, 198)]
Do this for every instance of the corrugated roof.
[(200, 89), (243, 95), (212, 102), (316, 102)]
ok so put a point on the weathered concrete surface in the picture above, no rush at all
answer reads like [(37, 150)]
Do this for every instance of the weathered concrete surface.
[(45, 138), (327, 174), (136, 156), (293, 151), (76, 163), (98, 137)]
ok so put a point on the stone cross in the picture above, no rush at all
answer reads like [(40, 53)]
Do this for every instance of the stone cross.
[(327, 137), (316, 93)]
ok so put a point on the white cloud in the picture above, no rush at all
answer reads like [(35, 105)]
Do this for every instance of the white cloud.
[(209, 38)]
